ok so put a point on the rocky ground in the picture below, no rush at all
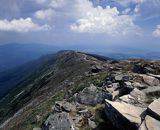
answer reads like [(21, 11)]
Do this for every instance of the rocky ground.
[(130, 101), (126, 98)]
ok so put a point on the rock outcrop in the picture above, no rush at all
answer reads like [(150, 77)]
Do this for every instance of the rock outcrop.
[(138, 85), (130, 101), (59, 121), (96, 68), (149, 80), (152, 93), (92, 96), (63, 106), (136, 97), (124, 116), (150, 124), (154, 109)]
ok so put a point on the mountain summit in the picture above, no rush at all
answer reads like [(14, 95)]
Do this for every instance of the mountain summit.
[(75, 90)]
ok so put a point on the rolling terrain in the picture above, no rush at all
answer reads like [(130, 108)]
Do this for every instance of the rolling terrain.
[(75, 90)]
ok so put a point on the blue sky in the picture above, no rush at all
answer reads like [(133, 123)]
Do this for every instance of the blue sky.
[(100, 24)]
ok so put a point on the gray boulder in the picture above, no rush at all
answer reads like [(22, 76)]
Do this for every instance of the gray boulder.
[(156, 76), (150, 124), (96, 68), (119, 77), (64, 106), (136, 97), (92, 96), (128, 85), (59, 121), (138, 85), (152, 92), (123, 116), (92, 124), (149, 80), (141, 68)]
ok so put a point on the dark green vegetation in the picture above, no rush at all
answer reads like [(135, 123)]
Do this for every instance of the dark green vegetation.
[(19, 83)]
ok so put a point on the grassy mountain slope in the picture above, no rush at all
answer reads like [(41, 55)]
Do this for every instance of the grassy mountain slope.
[(10, 78), (48, 79)]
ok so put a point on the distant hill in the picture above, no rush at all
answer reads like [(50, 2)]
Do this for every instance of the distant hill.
[(122, 56), (11, 77), (12, 55)]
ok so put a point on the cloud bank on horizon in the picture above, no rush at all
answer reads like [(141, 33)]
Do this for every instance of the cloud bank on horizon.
[(76, 18)]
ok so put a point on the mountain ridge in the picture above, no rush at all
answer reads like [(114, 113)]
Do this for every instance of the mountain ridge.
[(63, 56), (74, 77)]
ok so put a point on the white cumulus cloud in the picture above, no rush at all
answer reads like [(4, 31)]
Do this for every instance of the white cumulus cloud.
[(51, 3), (156, 32), (126, 11), (99, 20), (45, 14), (56, 3), (22, 25)]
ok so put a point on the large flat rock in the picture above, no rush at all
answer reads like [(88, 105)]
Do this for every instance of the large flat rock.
[(149, 80), (124, 116), (154, 109), (150, 124), (152, 93), (136, 97)]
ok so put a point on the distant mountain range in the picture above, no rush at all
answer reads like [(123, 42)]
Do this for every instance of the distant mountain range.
[(13, 55), (148, 55), (10, 78), (18, 60)]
